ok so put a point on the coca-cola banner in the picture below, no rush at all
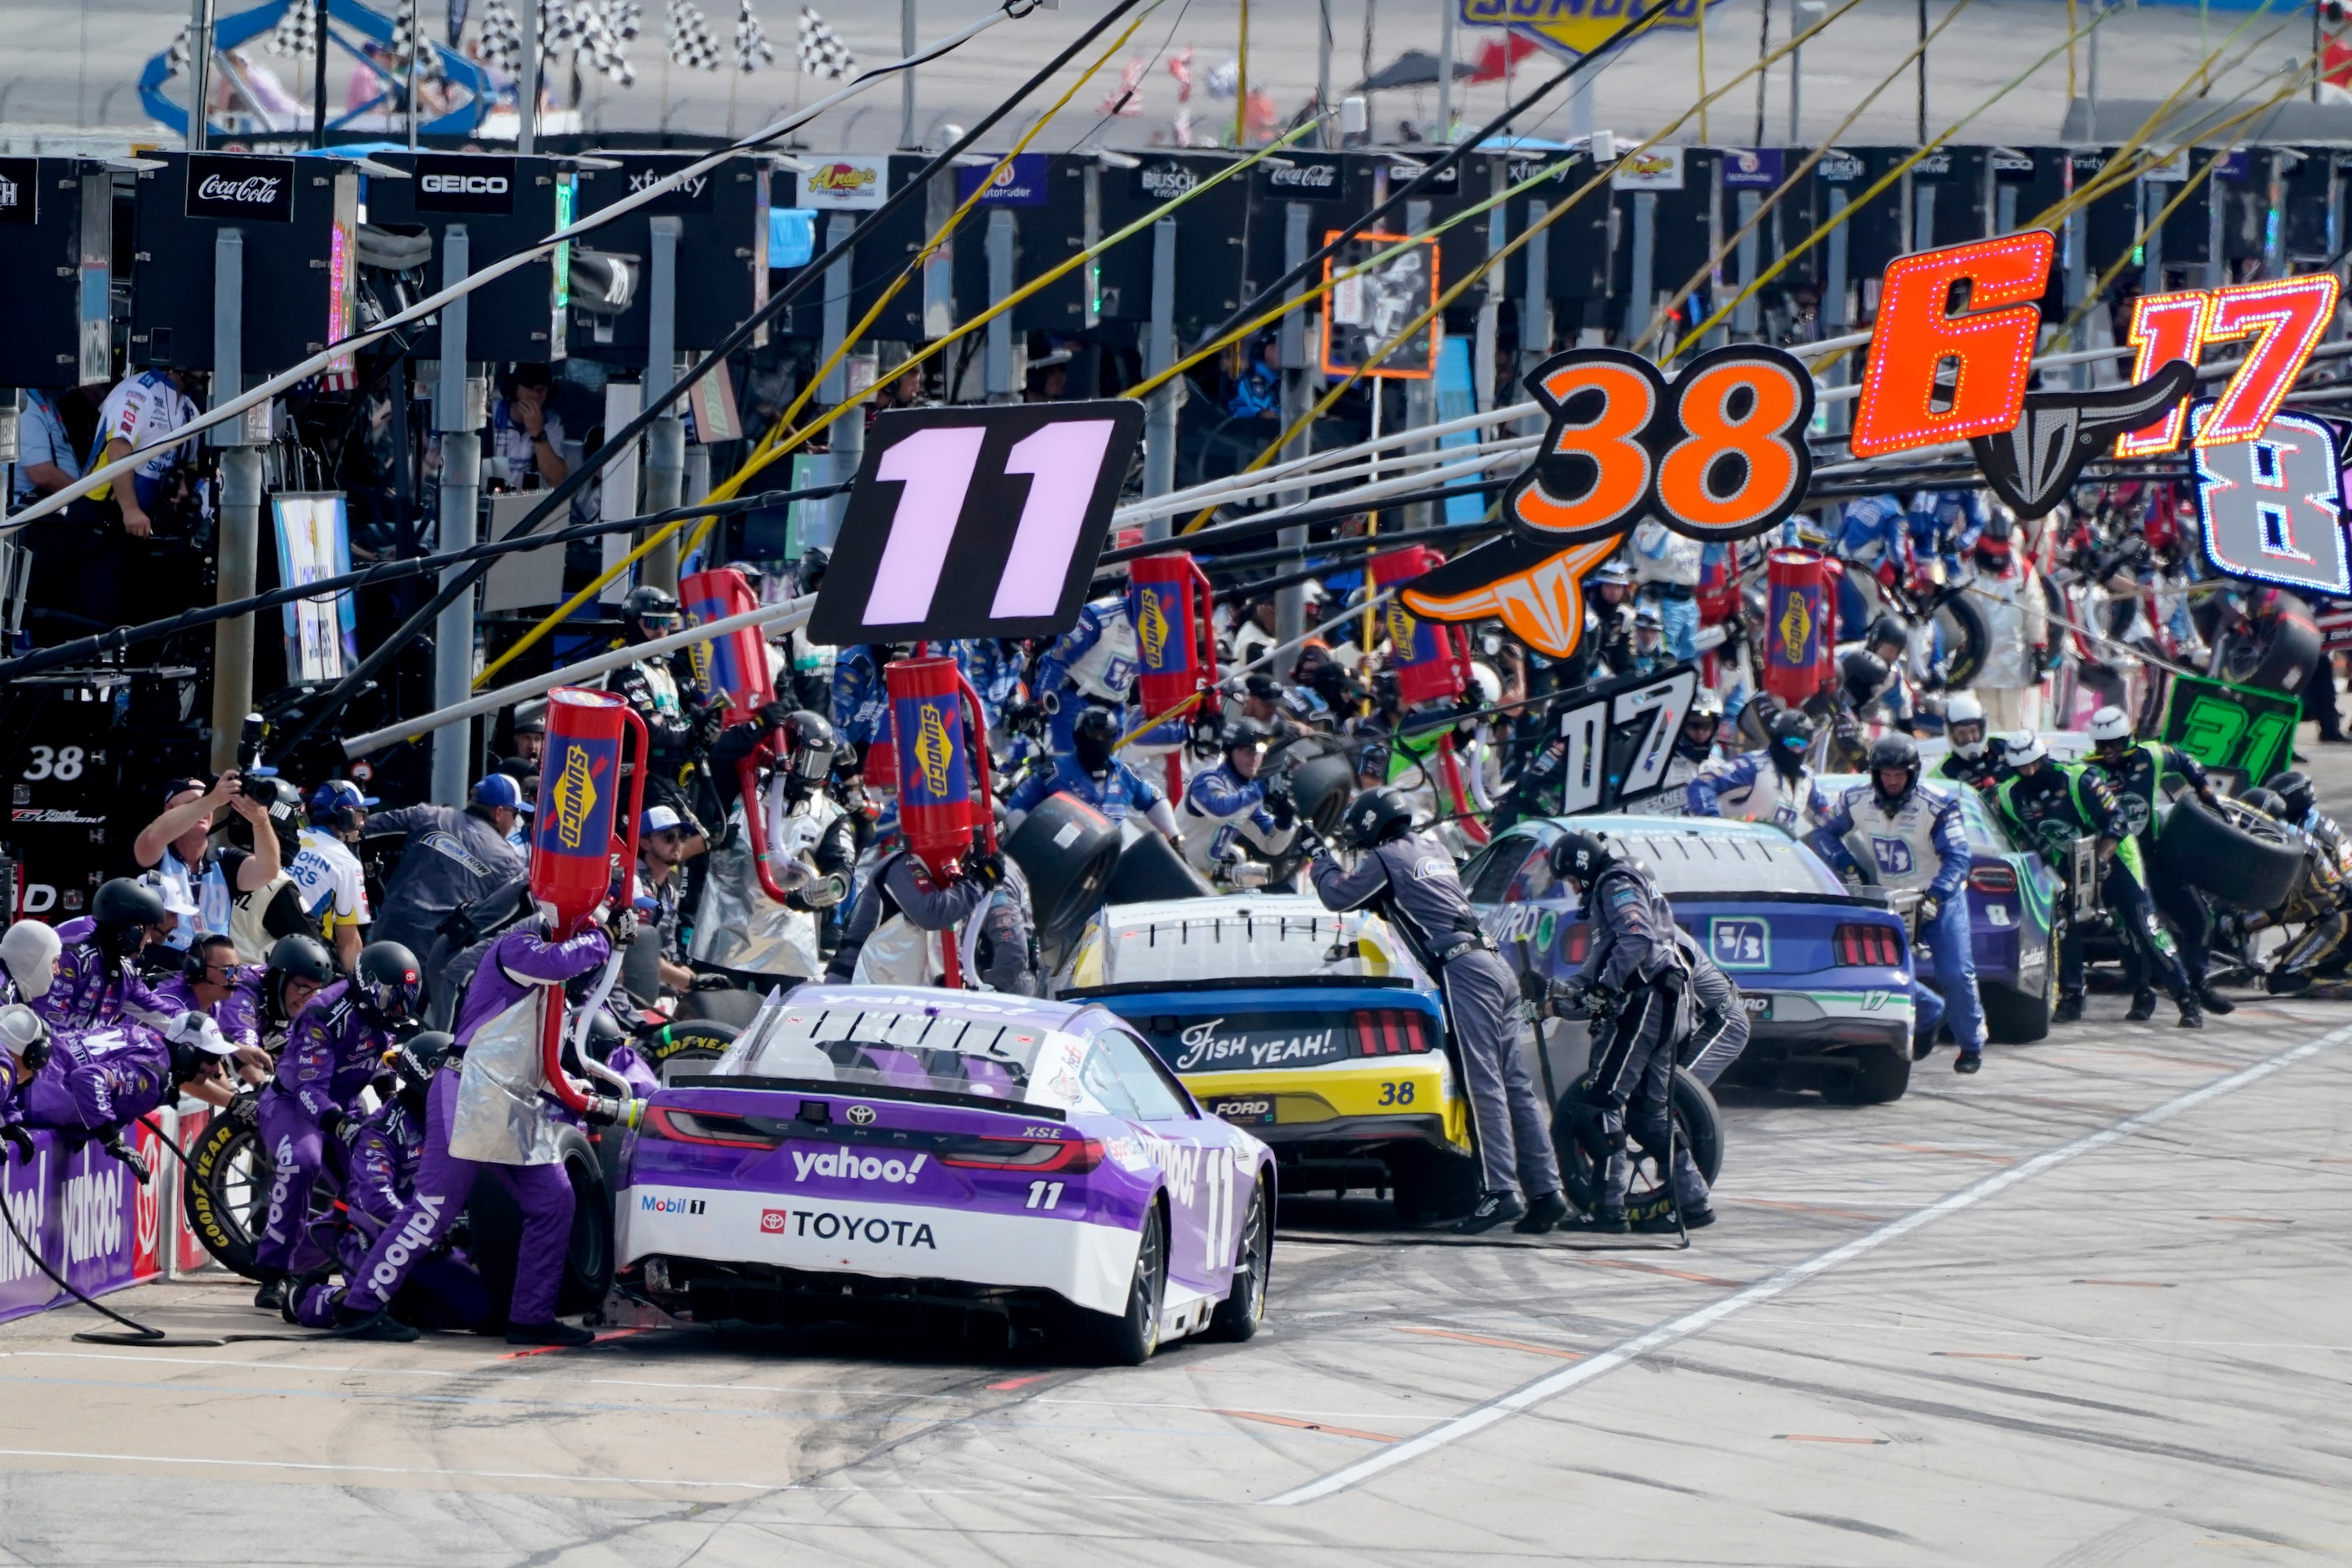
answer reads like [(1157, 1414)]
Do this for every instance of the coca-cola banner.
[(241, 188)]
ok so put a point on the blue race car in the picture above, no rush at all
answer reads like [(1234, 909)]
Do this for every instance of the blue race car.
[(2015, 908), (1824, 969)]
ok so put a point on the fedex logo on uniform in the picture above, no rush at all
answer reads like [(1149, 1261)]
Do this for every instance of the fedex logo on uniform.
[(1740, 941)]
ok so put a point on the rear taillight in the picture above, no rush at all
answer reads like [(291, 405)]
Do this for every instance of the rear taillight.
[(1993, 880), (1023, 1153), (1576, 943), (1390, 1032), (1874, 946), (707, 1127)]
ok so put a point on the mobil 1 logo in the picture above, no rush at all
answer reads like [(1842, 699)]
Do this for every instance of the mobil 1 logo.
[(482, 186), (976, 521)]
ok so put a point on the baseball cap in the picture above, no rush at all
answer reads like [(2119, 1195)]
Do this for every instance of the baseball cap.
[(1263, 687), (496, 790), (182, 786), (174, 896), (660, 819)]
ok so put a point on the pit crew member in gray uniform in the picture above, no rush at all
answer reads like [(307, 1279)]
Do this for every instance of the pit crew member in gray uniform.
[(900, 906), (454, 856), (1916, 841), (1637, 962), (1412, 878)]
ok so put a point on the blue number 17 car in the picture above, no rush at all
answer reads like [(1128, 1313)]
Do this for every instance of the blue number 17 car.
[(1824, 970)]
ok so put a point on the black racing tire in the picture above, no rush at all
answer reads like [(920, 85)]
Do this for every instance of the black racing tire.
[(1430, 1184), (736, 1006), (225, 1187), (494, 1233), (1963, 626), (690, 1045), (1576, 1137), (2239, 856), (1149, 868), (1238, 1317), (1880, 1074), (1068, 850), (2014, 1018), (1129, 1338), (2276, 658), (1320, 788)]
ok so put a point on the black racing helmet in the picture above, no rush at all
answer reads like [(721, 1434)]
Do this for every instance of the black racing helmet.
[(387, 985), (295, 957), (1894, 751), (812, 743), (650, 612), (1887, 631), (1240, 732), (1864, 674), (1791, 730), (1581, 857), (2295, 788), (120, 908), (1376, 817)]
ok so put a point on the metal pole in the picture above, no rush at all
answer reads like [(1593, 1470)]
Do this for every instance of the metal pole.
[(527, 90), (1325, 135), (1490, 312), (1420, 396), (2092, 86), (2077, 285), (1923, 72), (240, 505), (1159, 354), (1833, 292), (1796, 74), (416, 68), (666, 442), (1763, 55), (1004, 379), (200, 76), (1290, 604), (1445, 70), (461, 482), (1743, 315), (833, 326), (1535, 301), (1642, 293), (317, 96), (907, 45)]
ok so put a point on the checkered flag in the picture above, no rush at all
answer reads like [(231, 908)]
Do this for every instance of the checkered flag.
[(297, 33), (502, 37), (691, 42), (175, 59), (403, 39), (822, 51), (752, 49), (605, 28)]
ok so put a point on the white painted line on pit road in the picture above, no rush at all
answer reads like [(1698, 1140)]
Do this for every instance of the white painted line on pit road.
[(1530, 1395)]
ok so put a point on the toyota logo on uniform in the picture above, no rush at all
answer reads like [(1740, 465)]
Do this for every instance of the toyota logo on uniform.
[(240, 187)]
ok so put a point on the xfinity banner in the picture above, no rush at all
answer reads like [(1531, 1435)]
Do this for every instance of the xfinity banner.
[(454, 184), (239, 188)]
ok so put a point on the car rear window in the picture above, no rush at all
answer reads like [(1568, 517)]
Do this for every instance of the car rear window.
[(928, 1050), (1710, 861), (1272, 1041)]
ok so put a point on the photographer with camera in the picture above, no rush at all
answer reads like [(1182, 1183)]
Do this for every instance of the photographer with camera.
[(1638, 974), (177, 848), (1410, 877)]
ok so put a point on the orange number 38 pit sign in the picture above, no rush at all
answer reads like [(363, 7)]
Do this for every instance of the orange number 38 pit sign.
[(1718, 451)]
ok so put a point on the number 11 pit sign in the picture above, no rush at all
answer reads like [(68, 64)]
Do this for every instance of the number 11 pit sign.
[(976, 523)]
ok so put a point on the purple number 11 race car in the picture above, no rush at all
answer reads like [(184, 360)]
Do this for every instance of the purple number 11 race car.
[(880, 1151)]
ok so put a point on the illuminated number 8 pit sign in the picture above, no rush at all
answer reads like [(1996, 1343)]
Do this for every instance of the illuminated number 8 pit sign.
[(2272, 508)]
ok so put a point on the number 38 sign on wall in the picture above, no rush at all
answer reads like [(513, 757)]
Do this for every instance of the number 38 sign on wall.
[(976, 523)]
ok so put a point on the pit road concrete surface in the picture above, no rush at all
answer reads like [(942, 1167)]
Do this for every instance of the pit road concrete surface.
[(2085, 1306)]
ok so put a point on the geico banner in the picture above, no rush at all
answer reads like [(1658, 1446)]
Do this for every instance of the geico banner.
[(86, 1215)]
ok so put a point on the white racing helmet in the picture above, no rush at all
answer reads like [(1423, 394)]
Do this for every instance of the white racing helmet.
[(30, 949), (2025, 746), (2110, 723), (1964, 708)]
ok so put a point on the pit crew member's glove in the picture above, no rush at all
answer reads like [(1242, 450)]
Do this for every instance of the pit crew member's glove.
[(708, 982), (115, 1146), (1929, 908), (18, 1139), (1279, 805)]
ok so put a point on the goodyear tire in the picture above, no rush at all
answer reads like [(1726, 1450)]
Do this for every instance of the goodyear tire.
[(494, 1233), (1068, 851), (1238, 1317), (2276, 658), (1962, 627), (2014, 1018), (1129, 1338), (1880, 1074), (1577, 1139), (688, 1040), (1433, 1184), (2239, 856), (1149, 868), (224, 1187)]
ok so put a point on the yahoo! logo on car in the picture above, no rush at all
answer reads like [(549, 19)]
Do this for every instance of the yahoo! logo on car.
[(849, 1166), (872, 1230)]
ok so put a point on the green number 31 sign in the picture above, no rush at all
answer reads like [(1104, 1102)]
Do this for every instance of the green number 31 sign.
[(2247, 732)]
